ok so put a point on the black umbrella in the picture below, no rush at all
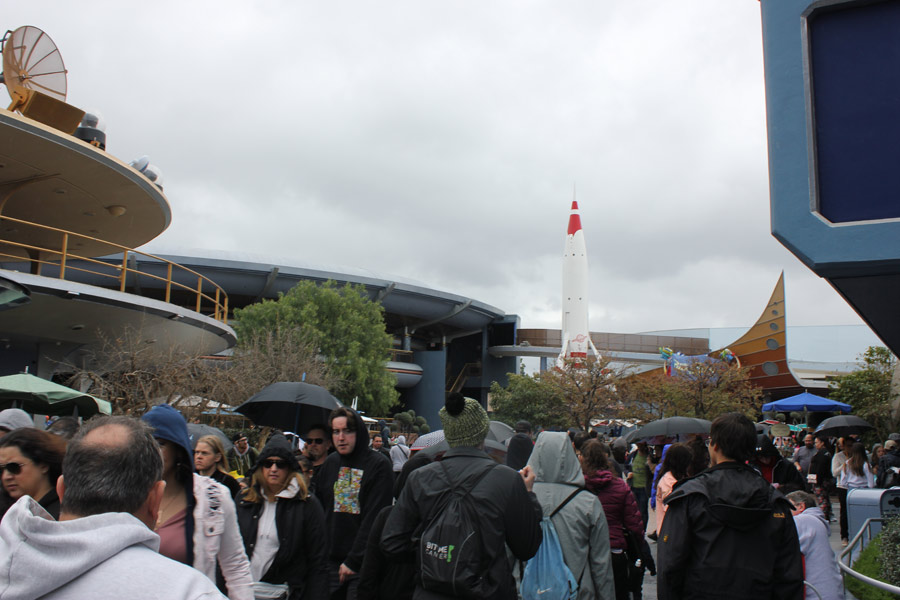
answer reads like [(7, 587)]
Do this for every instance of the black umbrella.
[(289, 406), (670, 427), (843, 425), (198, 430)]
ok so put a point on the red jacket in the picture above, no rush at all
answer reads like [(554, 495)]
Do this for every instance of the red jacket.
[(618, 504)]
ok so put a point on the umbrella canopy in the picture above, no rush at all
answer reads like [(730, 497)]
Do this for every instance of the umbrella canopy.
[(198, 430), (429, 439), (290, 406), (670, 427), (806, 402), (500, 432), (35, 395), (843, 425)]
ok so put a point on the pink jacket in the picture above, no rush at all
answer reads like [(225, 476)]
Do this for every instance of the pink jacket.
[(663, 489)]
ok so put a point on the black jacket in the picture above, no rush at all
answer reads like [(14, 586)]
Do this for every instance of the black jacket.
[(889, 459), (728, 534), (509, 515), (364, 481), (820, 468), (300, 560), (786, 475)]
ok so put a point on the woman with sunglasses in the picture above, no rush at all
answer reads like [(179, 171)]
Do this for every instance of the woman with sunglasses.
[(30, 464), (197, 525), (283, 527)]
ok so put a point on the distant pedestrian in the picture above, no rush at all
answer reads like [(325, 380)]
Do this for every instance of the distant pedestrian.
[(820, 566), (820, 479), (889, 465), (30, 463), (399, 455), (674, 468), (210, 461), (520, 445), (804, 453), (639, 479), (14, 418), (242, 456)]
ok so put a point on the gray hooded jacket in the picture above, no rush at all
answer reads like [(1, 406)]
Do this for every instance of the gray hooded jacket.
[(101, 557), (581, 524)]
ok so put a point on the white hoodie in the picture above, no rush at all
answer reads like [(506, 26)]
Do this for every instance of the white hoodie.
[(108, 556)]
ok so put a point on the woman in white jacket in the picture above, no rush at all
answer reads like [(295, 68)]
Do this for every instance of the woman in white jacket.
[(197, 522)]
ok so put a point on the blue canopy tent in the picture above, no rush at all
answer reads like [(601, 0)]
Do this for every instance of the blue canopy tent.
[(806, 402)]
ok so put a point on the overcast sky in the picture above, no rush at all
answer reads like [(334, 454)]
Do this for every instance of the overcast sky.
[(441, 140)]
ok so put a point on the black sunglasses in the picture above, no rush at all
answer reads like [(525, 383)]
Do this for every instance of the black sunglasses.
[(281, 464), (13, 468), (315, 441)]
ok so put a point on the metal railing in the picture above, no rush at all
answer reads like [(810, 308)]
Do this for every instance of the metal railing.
[(864, 532), (62, 258)]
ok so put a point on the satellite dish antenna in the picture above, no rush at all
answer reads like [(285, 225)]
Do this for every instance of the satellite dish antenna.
[(32, 63)]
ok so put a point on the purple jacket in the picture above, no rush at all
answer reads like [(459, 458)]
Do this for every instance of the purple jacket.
[(618, 504)]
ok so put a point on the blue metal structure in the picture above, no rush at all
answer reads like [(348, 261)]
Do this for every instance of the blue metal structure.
[(834, 138)]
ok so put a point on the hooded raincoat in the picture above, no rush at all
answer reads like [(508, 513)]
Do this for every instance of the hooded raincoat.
[(728, 534), (581, 524)]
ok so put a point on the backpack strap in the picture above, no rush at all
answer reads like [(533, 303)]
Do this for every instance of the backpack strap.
[(566, 501)]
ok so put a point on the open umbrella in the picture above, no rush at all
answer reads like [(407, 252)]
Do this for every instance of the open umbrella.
[(806, 402), (500, 432), (288, 405), (843, 425), (199, 430), (669, 427), (40, 396)]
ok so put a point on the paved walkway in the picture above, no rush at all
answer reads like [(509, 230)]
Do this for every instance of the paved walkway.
[(649, 587)]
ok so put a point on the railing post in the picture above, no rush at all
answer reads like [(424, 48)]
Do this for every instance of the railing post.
[(225, 316), (62, 261), (199, 291), (169, 282), (124, 271), (216, 316)]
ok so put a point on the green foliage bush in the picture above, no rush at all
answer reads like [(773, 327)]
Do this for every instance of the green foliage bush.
[(880, 560), (890, 552)]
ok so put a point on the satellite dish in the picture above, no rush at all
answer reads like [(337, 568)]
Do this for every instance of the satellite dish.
[(32, 63)]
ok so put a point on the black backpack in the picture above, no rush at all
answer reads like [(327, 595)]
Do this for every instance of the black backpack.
[(452, 557)]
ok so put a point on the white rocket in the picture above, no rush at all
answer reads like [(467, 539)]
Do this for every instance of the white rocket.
[(576, 337)]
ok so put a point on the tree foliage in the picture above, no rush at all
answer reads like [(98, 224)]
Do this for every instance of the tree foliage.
[(407, 422), (345, 328), (527, 398), (134, 376), (588, 388), (703, 389), (868, 390)]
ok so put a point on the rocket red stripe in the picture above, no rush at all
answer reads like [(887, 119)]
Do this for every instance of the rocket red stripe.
[(574, 223)]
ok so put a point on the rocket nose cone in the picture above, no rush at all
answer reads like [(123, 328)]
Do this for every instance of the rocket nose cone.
[(574, 224), (574, 205)]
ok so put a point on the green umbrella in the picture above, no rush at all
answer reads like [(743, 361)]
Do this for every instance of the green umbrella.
[(39, 396)]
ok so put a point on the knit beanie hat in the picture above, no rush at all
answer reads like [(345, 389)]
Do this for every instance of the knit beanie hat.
[(277, 447), (465, 422)]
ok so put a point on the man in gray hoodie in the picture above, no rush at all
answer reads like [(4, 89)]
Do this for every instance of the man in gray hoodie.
[(103, 546)]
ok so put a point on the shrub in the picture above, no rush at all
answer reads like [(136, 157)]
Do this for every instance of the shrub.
[(890, 551)]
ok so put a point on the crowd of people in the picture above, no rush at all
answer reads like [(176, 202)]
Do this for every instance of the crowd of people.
[(124, 507)]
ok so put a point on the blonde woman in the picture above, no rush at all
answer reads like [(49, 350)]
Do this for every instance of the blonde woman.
[(210, 461), (283, 527)]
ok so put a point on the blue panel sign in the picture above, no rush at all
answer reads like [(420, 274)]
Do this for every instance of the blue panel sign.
[(854, 57)]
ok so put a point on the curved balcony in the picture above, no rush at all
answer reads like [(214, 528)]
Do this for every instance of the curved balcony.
[(55, 253)]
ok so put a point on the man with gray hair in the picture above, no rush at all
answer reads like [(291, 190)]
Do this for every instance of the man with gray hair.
[(821, 570), (103, 545)]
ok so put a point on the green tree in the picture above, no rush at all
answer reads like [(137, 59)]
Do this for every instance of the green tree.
[(527, 398), (588, 387), (346, 329), (868, 390)]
